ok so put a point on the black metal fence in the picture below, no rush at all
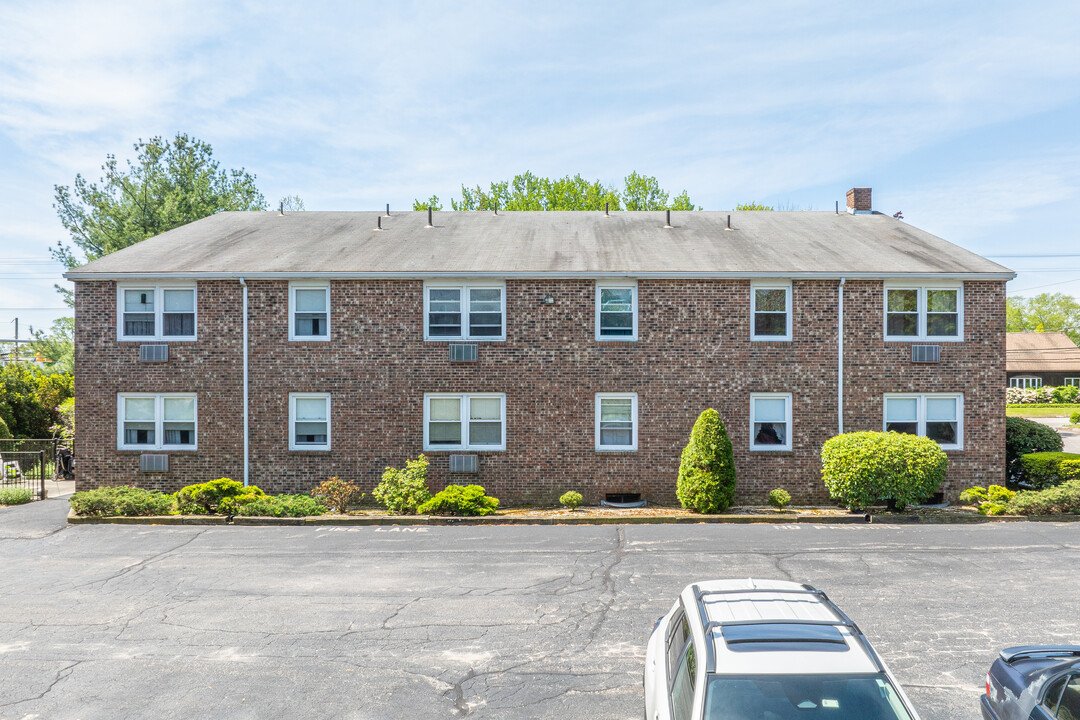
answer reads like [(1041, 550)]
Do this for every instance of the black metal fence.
[(24, 470), (50, 446)]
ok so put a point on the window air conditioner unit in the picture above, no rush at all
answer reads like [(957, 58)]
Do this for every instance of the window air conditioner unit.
[(465, 464), (153, 463), (153, 353), (463, 352), (925, 353)]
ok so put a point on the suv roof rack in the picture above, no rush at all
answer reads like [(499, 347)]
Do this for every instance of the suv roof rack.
[(708, 627)]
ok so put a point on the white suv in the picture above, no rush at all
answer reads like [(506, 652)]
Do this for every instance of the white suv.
[(765, 650)]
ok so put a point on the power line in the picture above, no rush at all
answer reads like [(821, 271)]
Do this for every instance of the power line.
[(1033, 255)]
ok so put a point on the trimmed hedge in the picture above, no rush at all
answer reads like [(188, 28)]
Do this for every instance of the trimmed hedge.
[(1046, 469), (707, 468), (1023, 436), (222, 496), (283, 506), (460, 500), (1063, 499), (15, 496), (122, 500), (863, 468)]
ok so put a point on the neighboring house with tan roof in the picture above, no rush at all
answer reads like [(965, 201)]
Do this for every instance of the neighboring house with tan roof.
[(1034, 359)]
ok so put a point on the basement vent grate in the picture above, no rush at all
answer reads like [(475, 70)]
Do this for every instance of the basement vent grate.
[(465, 464), (925, 353), (463, 352), (153, 353), (153, 463)]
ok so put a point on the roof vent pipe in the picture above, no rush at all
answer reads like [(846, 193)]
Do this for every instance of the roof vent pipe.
[(496, 204), (728, 228), (667, 223), (606, 213), (429, 225), (378, 223), (837, 207), (281, 208), (387, 209)]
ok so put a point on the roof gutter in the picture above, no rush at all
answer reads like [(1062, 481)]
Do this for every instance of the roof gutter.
[(552, 275)]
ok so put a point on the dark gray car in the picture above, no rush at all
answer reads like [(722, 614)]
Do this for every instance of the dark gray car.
[(1034, 682)]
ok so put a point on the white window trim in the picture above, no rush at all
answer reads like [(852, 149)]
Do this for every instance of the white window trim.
[(465, 399), (921, 414), (1026, 385), (293, 287), (787, 419), (159, 420), (1074, 381), (158, 289), (292, 422), (632, 447), (465, 330), (765, 285), (600, 285), (922, 288)]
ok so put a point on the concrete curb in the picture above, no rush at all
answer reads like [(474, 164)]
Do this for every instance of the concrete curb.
[(374, 520)]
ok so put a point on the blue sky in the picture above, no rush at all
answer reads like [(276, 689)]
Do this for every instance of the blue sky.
[(965, 116)]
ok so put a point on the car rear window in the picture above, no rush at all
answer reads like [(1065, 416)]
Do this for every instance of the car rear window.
[(801, 697)]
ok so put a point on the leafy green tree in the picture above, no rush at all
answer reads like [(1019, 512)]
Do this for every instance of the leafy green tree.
[(707, 469), (170, 183), (57, 345), (292, 203), (1049, 312), (753, 206), (531, 192), (30, 398)]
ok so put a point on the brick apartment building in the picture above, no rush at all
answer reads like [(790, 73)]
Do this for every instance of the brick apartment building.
[(535, 352)]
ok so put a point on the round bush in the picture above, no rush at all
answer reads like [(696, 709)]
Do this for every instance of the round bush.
[(779, 498), (571, 499), (1023, 436), (862, 468), (707, 470), (1074, 418)]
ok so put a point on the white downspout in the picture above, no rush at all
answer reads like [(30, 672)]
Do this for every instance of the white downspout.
[(840, 363), (244, 312)]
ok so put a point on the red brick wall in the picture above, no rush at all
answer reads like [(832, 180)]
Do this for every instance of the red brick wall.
[(693, 352)]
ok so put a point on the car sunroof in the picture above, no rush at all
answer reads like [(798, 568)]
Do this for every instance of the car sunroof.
[(782, 633)]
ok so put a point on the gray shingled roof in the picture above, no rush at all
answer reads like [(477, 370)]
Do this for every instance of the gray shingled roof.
[(1040, 352), (542, 243)]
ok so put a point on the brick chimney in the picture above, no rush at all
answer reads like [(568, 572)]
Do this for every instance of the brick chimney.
[(858, 200)]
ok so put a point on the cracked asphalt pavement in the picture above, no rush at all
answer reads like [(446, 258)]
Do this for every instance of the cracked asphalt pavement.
[(114, 621)]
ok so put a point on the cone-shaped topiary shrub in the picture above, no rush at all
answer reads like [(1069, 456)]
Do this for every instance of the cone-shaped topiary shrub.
[(707, 470)]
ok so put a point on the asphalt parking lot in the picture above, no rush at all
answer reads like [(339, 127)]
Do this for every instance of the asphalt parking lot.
[(494, 622)]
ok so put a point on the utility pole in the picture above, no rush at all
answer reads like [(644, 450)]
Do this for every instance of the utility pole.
[(13, 356)]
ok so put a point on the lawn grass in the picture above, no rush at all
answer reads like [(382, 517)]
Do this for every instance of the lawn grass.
[(1055, 411)]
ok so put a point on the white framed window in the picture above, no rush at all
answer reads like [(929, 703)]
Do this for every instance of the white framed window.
[(616, 310), (156, 312), (616, 421), (938, 416), (309, 311), (1028, 381), (309, 421), (924, 312), (165, 421), (770, 421), (1074, 381), (454, 421), (770, 311), (474, 311)]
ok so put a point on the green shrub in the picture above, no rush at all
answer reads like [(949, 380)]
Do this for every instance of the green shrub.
[(337, 494), (998, 494), (975, 495), (1045, 469), (1023, 436), (222, 496), (460, 500), (571, 499), (29, 398), (707, 469), (283, 506), (1075, 418), (1063, 499), (861, 468), (992, 508), (779, 498), (402, 491), (122, 500), (5, 432), (1065, 394), (15, 496)]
